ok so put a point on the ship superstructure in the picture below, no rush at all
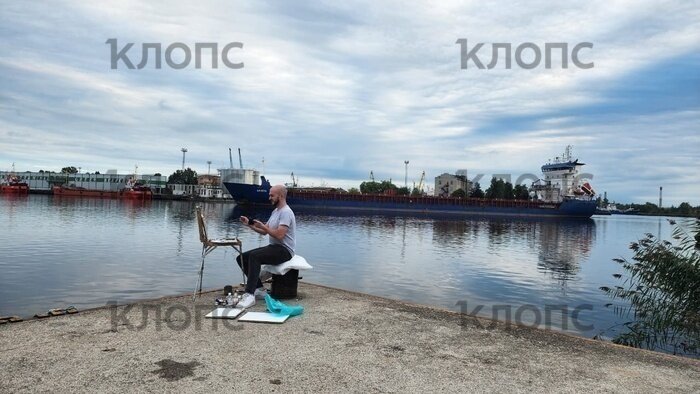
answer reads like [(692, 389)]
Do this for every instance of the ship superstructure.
[(562, 180)]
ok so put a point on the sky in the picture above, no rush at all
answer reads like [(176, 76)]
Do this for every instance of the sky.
[(333, 90)]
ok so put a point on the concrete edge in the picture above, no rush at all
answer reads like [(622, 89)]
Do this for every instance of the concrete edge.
[(412, 305), (518, 325)]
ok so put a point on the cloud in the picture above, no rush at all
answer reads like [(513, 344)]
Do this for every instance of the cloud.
[(332, 91)]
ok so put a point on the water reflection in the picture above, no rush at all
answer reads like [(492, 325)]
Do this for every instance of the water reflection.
[(14, 203), (562, 246), (448, 233)]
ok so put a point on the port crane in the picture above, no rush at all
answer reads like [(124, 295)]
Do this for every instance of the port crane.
[(420, 184)]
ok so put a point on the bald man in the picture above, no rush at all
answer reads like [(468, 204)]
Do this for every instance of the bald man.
[(280, 228)]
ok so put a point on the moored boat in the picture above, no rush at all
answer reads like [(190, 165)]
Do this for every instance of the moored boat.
[(134, 190), (74, 191), (13, 185)]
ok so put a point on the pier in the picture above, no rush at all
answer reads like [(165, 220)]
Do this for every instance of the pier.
[(344, 341)]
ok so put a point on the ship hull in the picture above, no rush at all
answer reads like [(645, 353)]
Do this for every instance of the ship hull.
[(14, 189), (248, 194), (136, 195), (245, 194), (124, 194)]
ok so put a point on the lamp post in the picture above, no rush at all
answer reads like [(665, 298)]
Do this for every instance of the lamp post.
[(184, 150), (405, 178)]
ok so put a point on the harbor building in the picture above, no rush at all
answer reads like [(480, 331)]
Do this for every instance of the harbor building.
[(208, 186), (109, 181), (446, 184)]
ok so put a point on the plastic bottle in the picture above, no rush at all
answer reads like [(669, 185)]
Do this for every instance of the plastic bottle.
[(236, 298), (229, 300)]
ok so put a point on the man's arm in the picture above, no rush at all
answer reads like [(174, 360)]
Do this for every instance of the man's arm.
[(276, 233), (258, 230)]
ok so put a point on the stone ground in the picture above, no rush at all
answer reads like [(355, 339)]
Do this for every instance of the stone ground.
[(343, 342)]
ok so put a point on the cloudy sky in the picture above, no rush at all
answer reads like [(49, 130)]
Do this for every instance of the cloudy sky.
[(333, 90)]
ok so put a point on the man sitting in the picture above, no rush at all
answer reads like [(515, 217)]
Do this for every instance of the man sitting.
[(280, 228)]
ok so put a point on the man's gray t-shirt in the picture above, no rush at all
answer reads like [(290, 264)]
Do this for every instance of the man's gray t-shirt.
[(285, 217)]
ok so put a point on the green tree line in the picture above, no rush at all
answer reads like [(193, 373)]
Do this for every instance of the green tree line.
[(684, 209), (384, 187), (498, 189)]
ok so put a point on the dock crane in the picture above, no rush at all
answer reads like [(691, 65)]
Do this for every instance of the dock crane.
[(420, 184), (294, 180)]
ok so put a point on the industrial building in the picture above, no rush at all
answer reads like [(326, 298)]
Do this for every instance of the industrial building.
[(446, 184), (110, 181)]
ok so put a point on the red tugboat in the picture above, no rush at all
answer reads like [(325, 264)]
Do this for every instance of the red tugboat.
[(135, 190), (13, 185)]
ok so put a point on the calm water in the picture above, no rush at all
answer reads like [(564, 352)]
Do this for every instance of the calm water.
[(57, 252)]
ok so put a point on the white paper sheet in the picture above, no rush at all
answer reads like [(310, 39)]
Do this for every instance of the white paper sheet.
[(263, 317), (224, 313)]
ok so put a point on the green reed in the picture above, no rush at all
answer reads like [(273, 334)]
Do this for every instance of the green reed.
[(660, 291)]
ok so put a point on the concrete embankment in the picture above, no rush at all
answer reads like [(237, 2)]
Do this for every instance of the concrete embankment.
[(343, 342)]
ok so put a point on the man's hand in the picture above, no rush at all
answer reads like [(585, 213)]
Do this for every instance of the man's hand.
[(255, 225), (259, 226)]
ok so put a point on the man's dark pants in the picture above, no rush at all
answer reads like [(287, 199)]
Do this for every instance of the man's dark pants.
[(253, 259)]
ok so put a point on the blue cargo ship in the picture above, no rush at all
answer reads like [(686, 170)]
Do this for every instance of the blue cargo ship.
[(557, 195)]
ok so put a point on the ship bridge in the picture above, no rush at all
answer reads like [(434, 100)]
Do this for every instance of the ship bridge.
[(562, 166), (561, 179)]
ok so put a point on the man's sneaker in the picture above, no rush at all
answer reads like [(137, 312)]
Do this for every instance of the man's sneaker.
[(246, 301), (260, 293)]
